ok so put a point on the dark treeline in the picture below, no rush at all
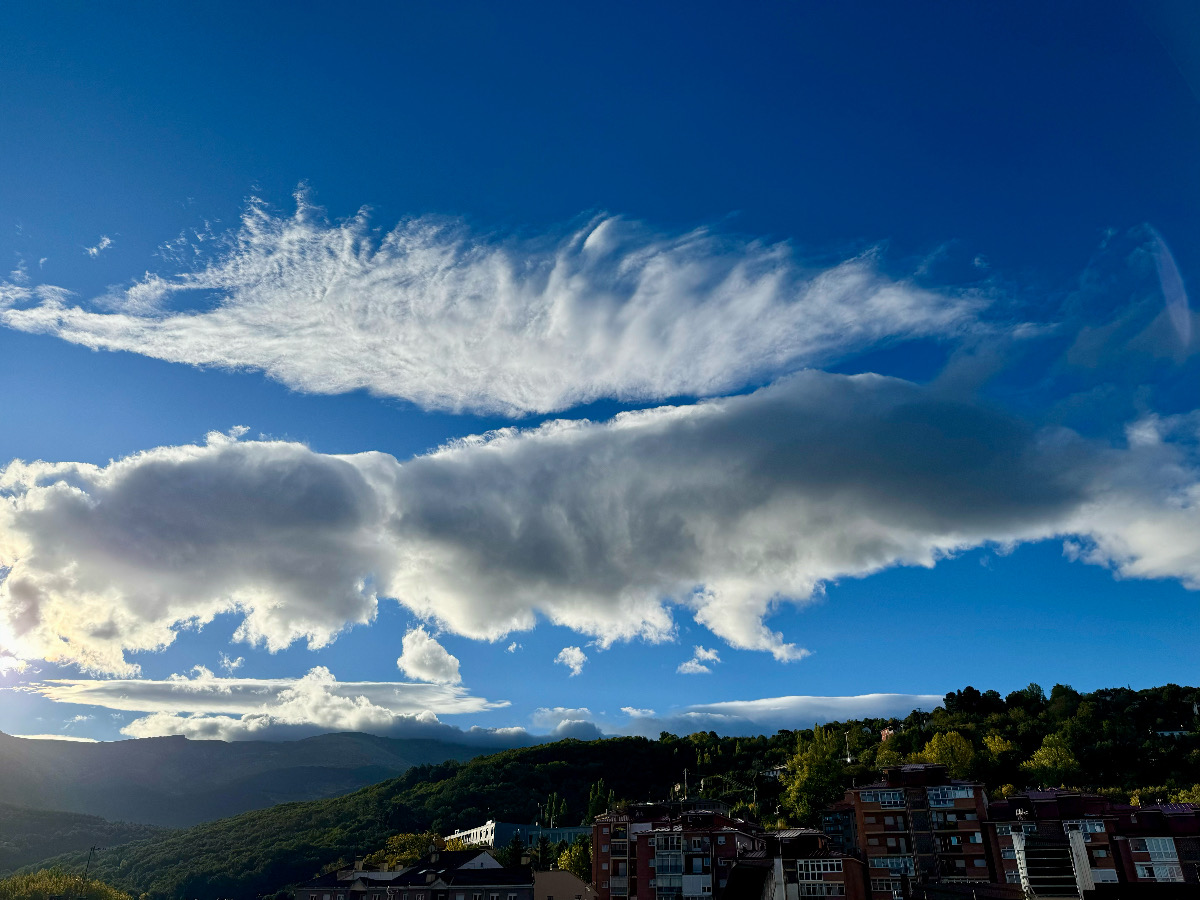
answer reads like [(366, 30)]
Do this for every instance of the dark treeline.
[(1115, 741)]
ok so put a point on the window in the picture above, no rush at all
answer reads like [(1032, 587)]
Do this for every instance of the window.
[(815, 869), (1162, 848), (891, 842), (604, 866), (1159, 872), (870, 820), (604, 830), (464, 897), (833, 889), (1100, 854), (1012, 877), (1002, 830), (721, 839), (886, 799), (604, 848), (1008, 853), (976, 837), (889, 820), (971, 817), (1088, 826), (897, 864), (945, 796), (980, 863), (1104, 876), (873, 842)]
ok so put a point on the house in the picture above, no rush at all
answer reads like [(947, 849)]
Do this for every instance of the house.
[(442, 875), (559, 884)]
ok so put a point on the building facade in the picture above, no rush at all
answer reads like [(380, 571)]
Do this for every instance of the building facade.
[(499, 834), (919, 826), (667, 851)]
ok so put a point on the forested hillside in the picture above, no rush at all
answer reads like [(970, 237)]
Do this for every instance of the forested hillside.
[(1138, 745), (177, 782), (27, 835)]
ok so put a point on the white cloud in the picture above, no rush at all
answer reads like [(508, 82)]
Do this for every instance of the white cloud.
[(566, 722), (204, 705), (101, 245), (56, 737), (450, 320), (231, 665), (573, 658), (513, 647), (636, 713), (699, 663), (424, 658), (774, 713), (724, 509)]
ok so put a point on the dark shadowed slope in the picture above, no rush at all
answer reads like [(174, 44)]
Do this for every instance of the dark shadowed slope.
[(27, 835), (178, 782)]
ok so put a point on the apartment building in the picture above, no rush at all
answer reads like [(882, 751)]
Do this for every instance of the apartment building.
[(668, 851), (1159, 844), (1050, 816), (920, 826)]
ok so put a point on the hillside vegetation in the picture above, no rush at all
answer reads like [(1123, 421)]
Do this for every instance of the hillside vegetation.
[(177, 782), (27, 835), (1108, 740), (45, 884)]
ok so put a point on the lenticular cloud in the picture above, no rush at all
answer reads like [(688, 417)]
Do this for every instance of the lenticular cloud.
[(722, 510), (450, 320)]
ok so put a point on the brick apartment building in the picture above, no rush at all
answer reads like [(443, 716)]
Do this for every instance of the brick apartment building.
[(1050, 816), (1159, 844), (665, 851), (916, 826)]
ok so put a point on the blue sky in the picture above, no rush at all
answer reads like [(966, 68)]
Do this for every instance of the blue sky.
[(912, 281)]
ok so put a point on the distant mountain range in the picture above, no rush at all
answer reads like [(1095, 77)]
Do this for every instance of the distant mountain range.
[(173, 781)]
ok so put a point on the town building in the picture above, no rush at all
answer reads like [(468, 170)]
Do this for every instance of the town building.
[(500, 834), (1159, 844), (1044, 820), (919, 826), (442, 875), (668, 851), (559, 884)]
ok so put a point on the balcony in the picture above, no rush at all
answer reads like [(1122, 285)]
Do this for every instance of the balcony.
[(618, 884)]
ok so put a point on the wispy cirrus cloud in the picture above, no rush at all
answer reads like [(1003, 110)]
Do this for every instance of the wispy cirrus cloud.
[(722, 509), (452, 320)]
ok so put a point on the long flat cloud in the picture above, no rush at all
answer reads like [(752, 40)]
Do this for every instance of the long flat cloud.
[(434, 314), (203, 705), (768, 714), (724, 509)]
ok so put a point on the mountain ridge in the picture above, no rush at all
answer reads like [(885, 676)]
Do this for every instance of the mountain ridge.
[(177, 782)]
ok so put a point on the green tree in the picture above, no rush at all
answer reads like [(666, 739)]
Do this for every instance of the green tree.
[(1052, 763), (543, 852), (510, 854), (577, 859), (406, 849), (600, 801), (951, 750), (816, 775)]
